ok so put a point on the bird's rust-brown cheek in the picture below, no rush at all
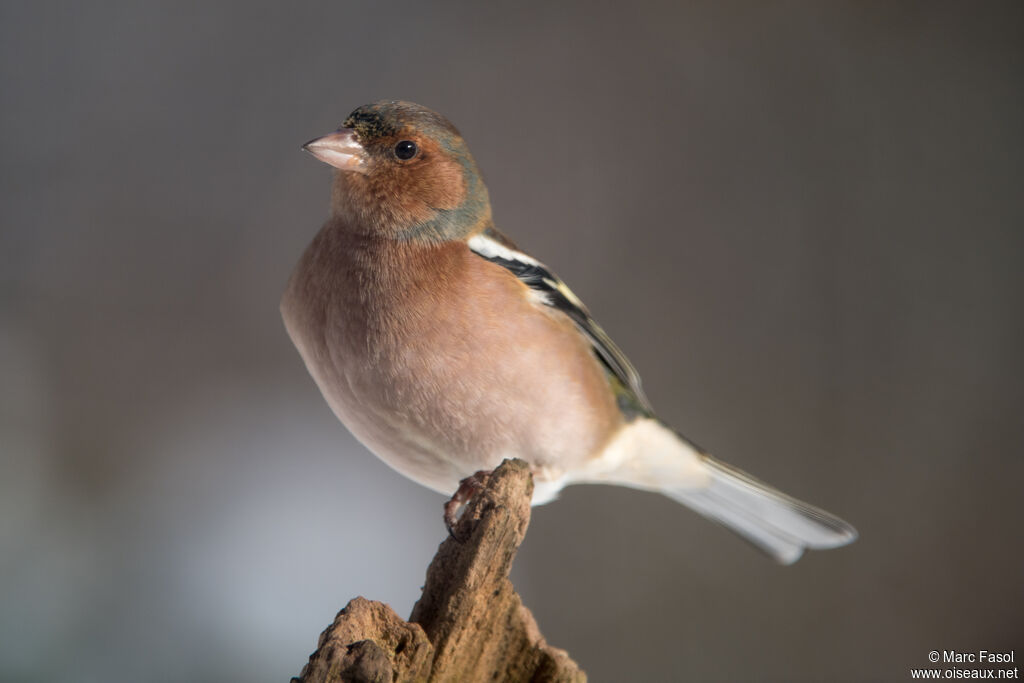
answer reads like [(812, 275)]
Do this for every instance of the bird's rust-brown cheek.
[(437, 183), (410, 194), (402, 195)]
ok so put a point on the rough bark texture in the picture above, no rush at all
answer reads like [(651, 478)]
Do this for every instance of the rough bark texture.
[(469, 624), (369, 643)]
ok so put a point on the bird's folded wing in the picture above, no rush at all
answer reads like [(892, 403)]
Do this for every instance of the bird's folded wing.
[(551, 291)]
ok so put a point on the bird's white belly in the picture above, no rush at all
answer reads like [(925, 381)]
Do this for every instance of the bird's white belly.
[(439, 432)]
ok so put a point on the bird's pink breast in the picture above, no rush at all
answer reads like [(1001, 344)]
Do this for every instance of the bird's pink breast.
[(440, 364)]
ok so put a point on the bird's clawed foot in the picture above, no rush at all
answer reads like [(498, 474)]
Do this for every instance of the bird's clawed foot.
[(468, 488)]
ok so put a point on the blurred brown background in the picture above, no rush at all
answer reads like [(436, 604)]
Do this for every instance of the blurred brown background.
[(803, 222)]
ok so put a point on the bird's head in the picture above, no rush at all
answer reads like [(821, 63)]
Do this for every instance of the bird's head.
[(404, 172)]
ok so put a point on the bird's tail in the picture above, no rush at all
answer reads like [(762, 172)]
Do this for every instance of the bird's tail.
[(778, 524), (651, 456)]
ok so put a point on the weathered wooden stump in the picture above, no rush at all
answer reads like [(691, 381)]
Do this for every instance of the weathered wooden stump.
[(469, 624)]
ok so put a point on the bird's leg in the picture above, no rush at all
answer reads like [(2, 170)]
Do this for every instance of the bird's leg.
[(468, 488)]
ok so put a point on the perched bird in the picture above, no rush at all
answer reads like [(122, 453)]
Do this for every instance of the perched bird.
[(445, 349)]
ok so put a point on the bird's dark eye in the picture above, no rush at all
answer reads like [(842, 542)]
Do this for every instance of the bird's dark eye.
[(406, 149)]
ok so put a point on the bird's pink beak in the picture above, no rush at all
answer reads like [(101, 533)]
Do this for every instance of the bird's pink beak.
[(339, 149)]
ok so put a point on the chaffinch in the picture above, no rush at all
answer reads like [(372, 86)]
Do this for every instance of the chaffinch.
[(445, 348)]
